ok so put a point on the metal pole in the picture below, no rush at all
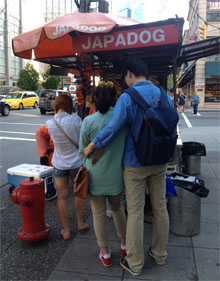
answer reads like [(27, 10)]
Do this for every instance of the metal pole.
[(174, 83)]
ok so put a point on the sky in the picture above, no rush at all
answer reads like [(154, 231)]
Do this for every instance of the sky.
[(155, 10)]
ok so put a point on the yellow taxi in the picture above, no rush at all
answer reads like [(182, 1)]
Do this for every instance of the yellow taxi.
[(21, 99)]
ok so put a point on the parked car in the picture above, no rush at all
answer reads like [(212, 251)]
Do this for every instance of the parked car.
[(47, 98), (21, 99), (4, 108), (2, 97)]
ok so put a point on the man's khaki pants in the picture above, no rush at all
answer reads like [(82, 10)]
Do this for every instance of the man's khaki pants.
[(136, 179)]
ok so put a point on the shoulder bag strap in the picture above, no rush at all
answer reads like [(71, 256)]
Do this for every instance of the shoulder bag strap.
[(76, 145)]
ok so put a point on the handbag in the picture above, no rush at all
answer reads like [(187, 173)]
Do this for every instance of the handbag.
[(81, 181)]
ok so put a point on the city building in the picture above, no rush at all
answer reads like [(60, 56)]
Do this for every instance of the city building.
[(132, 9), (203, 75), (10, 26), (18, 16), (58, 8)]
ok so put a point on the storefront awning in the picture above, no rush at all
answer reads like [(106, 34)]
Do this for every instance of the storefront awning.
[(212, 68), (187, 76), (200, 49)]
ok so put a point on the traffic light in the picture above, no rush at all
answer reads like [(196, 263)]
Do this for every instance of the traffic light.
[(84, 6), (203, 31), (103, 6)]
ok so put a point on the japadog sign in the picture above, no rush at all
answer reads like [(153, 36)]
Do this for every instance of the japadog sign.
[(127, 39)]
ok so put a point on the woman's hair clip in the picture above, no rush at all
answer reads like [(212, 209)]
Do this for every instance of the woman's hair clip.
[(107, 84)]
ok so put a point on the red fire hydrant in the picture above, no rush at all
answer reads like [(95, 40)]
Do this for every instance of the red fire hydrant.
[(31, 196)]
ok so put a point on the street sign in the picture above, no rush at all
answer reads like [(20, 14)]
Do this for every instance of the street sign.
[(201, 86)]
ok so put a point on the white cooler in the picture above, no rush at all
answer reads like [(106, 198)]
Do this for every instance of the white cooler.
[(24, 171)]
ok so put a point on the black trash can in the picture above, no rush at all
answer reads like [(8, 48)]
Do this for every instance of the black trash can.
[(191, 156)]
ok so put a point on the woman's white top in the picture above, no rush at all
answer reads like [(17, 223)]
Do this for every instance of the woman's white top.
[(66, 155)]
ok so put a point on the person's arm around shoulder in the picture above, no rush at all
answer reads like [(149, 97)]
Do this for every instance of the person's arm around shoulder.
[(119, 119), (84, 137)]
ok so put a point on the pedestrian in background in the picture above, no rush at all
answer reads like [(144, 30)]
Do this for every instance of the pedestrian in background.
[(66, 159), (181, 102), (195, 102), (106, 176), (128, 113)]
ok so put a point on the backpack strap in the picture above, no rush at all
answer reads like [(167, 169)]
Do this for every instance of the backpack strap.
[(134, 94), (164, 98)]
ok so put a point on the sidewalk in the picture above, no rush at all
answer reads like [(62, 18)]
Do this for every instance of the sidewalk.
[(189, 258)]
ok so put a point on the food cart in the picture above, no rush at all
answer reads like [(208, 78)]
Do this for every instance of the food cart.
[(96, 44)]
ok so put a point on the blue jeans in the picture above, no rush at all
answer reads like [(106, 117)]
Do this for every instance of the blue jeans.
[(195, 108), (64, 173)]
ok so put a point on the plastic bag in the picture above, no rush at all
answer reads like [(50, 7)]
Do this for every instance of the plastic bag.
[(190, 183), (170, 188)]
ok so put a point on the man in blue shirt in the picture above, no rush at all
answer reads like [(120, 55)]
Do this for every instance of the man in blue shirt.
[(195, 102), (136, 176)]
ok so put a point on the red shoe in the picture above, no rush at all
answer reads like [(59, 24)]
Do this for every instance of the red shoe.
[(123, 251), (106, 259)]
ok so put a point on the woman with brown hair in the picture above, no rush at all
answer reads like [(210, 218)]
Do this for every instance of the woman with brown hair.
[(64, 130), (106, 176)]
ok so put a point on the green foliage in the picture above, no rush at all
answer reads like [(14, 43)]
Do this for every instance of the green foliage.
[(170, 81), (28, 78), (50, 82)]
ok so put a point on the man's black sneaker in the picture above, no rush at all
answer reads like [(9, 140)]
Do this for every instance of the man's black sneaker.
[(125, 265)]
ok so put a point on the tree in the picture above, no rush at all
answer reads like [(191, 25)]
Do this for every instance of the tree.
[(50, 82), (28, 78), (170, 81)]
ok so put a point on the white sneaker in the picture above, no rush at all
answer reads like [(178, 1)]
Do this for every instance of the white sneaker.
[(109, 213)]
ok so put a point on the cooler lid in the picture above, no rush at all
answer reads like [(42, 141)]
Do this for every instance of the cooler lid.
[(31, 170)]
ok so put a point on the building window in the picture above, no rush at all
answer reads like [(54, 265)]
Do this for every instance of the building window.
[(212, 89), (213, 16), (14, 29), (2, 83), (2, 43)]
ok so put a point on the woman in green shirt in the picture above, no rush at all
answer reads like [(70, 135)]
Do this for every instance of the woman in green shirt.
[(106, 176)]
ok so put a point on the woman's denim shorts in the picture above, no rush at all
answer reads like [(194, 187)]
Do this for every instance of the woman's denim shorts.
[(64, 173)]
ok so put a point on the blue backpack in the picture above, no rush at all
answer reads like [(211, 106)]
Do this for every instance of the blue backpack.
[(157, 137)]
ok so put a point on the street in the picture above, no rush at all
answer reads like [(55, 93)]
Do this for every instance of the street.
[(36, 261), (17, 138), (17, 134)]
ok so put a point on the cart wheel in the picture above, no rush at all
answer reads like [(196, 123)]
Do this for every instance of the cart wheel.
[(11, 189)]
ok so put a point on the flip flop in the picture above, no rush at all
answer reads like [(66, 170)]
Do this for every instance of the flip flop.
[(84, 229), (62, 233)]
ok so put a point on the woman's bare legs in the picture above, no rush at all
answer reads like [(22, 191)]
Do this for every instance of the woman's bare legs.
[(80, 206), (62, 193)]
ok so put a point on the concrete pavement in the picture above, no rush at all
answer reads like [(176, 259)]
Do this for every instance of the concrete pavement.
[(189, 258)]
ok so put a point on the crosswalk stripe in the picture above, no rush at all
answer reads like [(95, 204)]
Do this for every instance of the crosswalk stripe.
[(22, 133), (30, 124), (20, 139), (189, 125)]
